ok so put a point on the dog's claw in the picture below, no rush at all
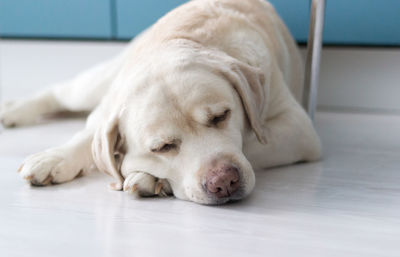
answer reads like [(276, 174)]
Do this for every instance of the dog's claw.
[(30, 177), (158, 188), (20, 168), (134, 188), (115, 186)]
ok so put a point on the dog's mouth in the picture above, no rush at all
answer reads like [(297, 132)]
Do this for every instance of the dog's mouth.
[(235, 197)]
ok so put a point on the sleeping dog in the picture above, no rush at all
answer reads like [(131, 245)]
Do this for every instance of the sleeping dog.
[(191, 107)]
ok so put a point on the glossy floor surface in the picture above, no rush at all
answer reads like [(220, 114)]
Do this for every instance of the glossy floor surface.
[(346, 205)]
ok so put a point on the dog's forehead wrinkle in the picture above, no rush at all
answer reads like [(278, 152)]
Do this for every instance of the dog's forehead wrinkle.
[(166, 105)]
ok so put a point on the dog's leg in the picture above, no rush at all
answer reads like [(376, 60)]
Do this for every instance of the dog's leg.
[(28, 111), (291, 138), (83, 93), (60, 164), (66, 162)]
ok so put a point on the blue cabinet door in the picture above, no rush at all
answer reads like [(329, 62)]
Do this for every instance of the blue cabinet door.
[(56, 18), (296, 15), (135, 16), (363, 22)]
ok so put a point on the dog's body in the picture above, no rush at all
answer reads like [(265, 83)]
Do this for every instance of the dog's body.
[(190, 107)]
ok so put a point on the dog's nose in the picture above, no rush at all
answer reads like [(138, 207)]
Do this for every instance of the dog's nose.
[(223, 181)]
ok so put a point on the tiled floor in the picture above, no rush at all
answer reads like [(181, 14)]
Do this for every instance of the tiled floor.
[(346, 205)]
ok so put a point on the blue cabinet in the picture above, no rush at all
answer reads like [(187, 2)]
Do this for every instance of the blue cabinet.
[(366, 22), (362, 22), (56, 18)]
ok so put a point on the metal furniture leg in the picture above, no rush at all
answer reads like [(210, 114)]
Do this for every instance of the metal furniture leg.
[(314, 45)]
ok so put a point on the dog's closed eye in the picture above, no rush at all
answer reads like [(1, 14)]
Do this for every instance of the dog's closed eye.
[(219, 118), (166, 147)]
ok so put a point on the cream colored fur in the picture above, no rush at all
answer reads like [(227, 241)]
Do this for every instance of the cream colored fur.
[(201, 60)]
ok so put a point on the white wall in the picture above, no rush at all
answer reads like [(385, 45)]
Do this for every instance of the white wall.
[(361, 79)]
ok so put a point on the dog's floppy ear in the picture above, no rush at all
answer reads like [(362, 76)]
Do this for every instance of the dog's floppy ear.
[(249, 82), (105, 149)]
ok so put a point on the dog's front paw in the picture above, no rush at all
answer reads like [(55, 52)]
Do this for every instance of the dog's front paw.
[(48, 167), (17, 113), (143, 184)]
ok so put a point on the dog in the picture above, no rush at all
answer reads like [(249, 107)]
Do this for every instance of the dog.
[(191, 107)]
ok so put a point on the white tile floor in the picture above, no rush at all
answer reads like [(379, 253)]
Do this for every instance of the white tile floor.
[(346, 205)]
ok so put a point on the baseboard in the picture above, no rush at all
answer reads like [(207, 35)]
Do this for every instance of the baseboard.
[(362, 79)]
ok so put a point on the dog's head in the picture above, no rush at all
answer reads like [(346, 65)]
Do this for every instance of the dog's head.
[(186, 123)]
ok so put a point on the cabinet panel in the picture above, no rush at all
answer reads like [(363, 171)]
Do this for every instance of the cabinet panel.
[(56, 18), (135, 16), (296, 15), (365, 22)]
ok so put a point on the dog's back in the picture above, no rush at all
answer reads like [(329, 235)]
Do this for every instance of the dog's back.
[(232, 26)]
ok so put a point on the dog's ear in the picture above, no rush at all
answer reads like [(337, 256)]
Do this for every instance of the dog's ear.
[(249, 82), (106, 150)]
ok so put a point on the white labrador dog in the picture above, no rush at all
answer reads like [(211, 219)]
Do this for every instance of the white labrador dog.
[(190, 108)]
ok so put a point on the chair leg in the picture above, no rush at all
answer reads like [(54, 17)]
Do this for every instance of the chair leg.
[(314, 46)]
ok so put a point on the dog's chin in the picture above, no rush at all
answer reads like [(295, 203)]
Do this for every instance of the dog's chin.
[(211, 200)]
